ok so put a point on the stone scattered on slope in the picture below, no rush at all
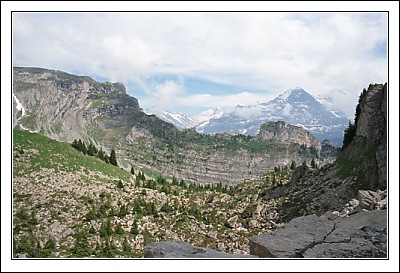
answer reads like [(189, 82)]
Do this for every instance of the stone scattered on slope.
[(179, 249), (359, 235)]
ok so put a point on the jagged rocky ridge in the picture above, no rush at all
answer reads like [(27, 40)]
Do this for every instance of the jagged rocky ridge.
[(67, 107)]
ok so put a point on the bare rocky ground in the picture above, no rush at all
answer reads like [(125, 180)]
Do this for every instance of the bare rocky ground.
[(358, 231), (54, 209)]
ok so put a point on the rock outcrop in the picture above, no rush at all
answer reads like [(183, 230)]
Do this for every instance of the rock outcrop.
[(328, 236), (283, 132), (179, 249)]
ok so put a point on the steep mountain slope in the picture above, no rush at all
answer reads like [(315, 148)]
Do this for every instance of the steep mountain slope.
[(361, 165), (295, 106), (67, 107)]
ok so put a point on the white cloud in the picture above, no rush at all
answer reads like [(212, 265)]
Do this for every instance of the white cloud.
[(163, 96), (272, 51), (287, 111), (223, 101)]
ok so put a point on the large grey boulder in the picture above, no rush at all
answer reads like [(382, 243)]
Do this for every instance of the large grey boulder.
[(179, 249), (359, 235), (293, 240)]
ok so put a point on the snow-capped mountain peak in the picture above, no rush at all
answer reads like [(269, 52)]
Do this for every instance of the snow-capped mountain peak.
[(183, 121), (180, 120), (293, 94), (208, 114), (294, 106)]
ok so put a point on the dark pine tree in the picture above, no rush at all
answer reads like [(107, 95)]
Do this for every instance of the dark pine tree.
[(349, 134), (313, 164), (113, 158), (82, 146), (90, 150), (358, 107), (75, 144), (101, 155)]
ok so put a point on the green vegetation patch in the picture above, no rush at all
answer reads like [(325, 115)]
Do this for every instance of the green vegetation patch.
[(42, 152)]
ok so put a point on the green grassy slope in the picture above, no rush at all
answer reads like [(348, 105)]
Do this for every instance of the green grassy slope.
[(66, 204)]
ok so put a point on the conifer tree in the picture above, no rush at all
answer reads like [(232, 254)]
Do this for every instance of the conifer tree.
[(174, 181), (119, 229), (75, 144), (134, 228), (313, 164), (358, 107), (90, 150), (82, 147), (125, 246), (113, 158), (349, 134), (132, 171), (100, 154)]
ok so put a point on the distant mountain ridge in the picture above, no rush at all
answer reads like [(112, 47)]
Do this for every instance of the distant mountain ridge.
[(183, 121), (295, 106), (65, 107)]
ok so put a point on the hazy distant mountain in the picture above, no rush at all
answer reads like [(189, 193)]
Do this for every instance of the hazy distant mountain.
[(333, 100), (295, 106), (182, 121)]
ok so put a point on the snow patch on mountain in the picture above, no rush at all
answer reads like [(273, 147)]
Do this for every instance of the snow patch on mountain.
[(207, 115), (19, 106), (183, 121)]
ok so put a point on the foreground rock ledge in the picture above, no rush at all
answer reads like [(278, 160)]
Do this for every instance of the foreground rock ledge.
[(179, 249), (362, 235)]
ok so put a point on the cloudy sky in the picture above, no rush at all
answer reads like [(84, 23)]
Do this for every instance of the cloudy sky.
[(189, 62)]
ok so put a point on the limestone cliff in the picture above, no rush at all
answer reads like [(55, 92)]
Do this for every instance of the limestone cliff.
[(283, 132)]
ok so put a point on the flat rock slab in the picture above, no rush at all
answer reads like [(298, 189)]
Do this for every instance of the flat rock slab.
[(360, 235), (179, 249)]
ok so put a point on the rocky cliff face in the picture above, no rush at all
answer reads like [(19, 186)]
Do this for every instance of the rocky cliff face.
[(370, 140), (67, 107), (283, 132), (57, 104), (362, 165)]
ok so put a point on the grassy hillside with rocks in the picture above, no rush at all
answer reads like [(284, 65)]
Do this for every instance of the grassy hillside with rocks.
[(66, 204)]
